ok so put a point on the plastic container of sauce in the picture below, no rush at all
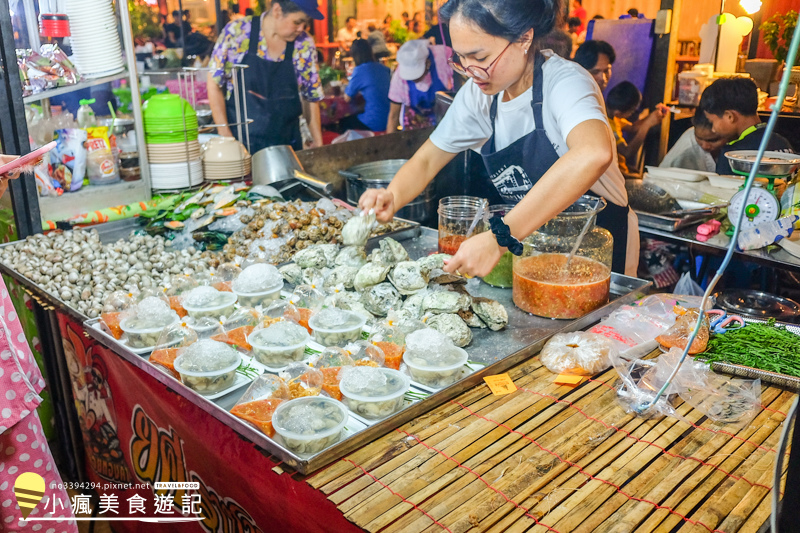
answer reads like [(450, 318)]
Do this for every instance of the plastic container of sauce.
[(456, 215)]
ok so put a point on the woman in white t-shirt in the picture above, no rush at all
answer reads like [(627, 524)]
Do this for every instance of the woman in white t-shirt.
[(539, 122)]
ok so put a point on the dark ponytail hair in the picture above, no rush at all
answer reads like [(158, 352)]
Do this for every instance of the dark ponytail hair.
[(507, 19)]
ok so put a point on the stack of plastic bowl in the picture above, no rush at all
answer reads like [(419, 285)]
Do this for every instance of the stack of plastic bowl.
[(170, 128), (96, 48), (225, 158)]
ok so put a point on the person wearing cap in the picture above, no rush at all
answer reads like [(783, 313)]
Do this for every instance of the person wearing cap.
[(422, 71), (281, 81), (540, 125)]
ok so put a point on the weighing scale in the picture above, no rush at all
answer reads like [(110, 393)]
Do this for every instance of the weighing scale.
[(762, 204)]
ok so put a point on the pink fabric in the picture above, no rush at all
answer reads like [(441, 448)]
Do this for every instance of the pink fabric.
[(23, 447)]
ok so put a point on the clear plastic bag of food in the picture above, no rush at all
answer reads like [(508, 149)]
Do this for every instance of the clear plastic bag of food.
[(365, 353), (222, 279), (678, 335), (283, 309), (302, 380), (116, 307), (643, 321), (331, 362), (237, 327), (170, 342), (580, 353), (258, 403)]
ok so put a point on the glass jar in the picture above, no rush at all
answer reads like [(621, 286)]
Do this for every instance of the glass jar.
[(456, 216), (545, 285), (501, 275)]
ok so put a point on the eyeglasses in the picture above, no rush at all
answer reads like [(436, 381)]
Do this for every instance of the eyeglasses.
[(474, 71)]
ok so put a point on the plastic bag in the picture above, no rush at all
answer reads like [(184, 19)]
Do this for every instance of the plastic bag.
[(580, 353), (687, 286), (632, 325), (69, 159), (678, 335), (100, 164)]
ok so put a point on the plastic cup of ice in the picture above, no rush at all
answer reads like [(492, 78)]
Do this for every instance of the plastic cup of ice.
[(349, 330), (320, 432), (140, 338), (377, 403), (436, 372), (209, 382), (277, 354), (224, 307)]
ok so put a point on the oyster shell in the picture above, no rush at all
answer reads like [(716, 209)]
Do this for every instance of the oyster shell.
[(390, 253), (353, 256), (471, 319), (381, 298), (452, 326), (292, 273), (413, 304), (331, 251), (449, 279), (359, 309), (433, 261), (443, 301), (311, 257), (491, 312), (357, 230), (408, 278), (341, 299), (369, 275), (341, 275)]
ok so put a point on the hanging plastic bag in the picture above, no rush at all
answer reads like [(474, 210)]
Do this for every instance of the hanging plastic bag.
[(687, 286)]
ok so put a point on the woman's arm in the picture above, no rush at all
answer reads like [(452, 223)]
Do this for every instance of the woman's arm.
[(410, 181), (589, 155), (312, 114), (394, 118), (216, 99)]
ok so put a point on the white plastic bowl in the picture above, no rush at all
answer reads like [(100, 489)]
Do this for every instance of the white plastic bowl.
[(208, 382), (144, 338), (309, 444), (217, 311), (377, 407), (338, 336), (436, 376), (277, 356), (263, 298)]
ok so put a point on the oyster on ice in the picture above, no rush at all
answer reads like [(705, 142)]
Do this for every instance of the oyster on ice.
[(292, 273), (452, 326), (413, 304), (381, 298), (369, 275), (390, 253), (432, 262), (357, 230), (443, 301), (408, 278), (311, 257), (491, 312), (341, 275), (353, 256)]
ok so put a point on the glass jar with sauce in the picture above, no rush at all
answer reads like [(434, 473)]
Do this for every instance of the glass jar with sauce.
[(456, 216), (545, 284), (500, 276)]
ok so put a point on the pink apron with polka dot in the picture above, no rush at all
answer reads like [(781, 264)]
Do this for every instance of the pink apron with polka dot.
[(23, 447)]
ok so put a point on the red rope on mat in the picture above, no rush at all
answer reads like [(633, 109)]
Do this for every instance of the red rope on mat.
[(506, 498), (701, 428), (396, 494), (637, 439), (582, 471), (764, 407)]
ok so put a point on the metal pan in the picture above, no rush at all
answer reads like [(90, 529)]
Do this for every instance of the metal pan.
[(278, 164)]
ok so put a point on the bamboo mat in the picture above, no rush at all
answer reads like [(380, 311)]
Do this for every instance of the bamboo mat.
[(560, 459)]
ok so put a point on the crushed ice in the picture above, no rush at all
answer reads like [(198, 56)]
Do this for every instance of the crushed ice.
[(256, 278)]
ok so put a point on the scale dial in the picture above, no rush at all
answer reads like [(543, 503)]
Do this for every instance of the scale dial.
[(761, 206)]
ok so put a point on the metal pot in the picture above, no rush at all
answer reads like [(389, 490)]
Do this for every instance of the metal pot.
[(757, 304), (378, 174), (277, 164)]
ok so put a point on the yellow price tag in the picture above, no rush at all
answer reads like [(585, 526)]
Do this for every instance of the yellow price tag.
[(568, 379), (500, 384)]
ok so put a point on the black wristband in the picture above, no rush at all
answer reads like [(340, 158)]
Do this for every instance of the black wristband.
[(503, 235)]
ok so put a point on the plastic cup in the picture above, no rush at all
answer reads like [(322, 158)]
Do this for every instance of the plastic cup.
[(143, 338), (380, 406), (349, 332), (210, 382), (263, 298), (316, 441), (433, 375), (217, 311), (277, 356)]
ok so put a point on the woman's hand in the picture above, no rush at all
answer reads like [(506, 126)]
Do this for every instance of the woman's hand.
[(14, 174), (381, 201), (476, 256)]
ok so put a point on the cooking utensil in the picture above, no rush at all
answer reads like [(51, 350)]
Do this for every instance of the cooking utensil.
[(581, 235), (378, 174), (773, 164), (277, 164), (723, 320)]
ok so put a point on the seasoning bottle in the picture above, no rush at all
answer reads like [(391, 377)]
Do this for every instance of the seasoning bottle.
[(86, 116)]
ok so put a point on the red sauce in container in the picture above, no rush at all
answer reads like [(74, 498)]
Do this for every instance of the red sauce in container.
[(543, 288), (450, 244)]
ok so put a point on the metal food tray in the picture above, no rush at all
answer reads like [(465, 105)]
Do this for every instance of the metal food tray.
[(672, 224), (774, 378), (110, 232), (499, 351)]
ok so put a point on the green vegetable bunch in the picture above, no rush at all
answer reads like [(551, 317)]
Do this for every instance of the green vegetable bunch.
[(763, 346)]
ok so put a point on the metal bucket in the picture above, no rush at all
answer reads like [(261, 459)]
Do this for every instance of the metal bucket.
[(378, 174), (277, 164)]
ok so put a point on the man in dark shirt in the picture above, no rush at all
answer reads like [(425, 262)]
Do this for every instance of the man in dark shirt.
[(731, 105)]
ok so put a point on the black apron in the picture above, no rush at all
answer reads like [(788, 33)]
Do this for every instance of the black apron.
[(515, 169), (272, 96)]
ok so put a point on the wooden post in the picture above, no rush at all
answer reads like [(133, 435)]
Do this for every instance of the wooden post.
[(661, 80)]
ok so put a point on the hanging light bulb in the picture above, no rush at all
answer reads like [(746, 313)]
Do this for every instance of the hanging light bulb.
[(750, 6)]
